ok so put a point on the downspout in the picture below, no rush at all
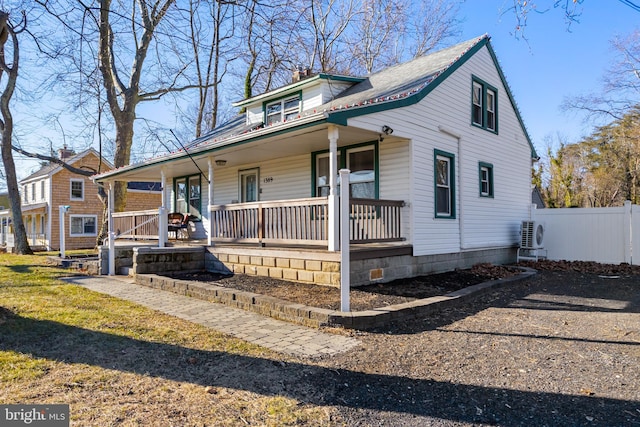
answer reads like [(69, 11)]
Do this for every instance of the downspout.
[(458, 137)]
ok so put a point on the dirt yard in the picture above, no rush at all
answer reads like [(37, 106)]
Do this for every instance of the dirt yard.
[(560, 348)]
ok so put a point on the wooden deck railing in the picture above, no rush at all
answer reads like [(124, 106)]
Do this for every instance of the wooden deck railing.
[(136, 224), (304, 221), (374, 220), (299, 221)]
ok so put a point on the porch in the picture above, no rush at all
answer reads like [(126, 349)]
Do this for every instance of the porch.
[(286, 239), (298, 222)]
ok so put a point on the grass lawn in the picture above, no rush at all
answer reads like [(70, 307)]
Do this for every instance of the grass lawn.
[(117, 363)]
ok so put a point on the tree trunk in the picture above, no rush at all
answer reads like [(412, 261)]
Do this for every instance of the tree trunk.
[(21, 243), (7, 33), (122, 157)]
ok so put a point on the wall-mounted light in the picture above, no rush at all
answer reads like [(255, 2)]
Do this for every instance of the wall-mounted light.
[(221, 162), (387, 130)]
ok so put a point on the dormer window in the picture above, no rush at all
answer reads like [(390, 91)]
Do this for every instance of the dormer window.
[(282, 110)]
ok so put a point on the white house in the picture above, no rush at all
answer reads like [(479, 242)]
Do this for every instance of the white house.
[(439, 161)]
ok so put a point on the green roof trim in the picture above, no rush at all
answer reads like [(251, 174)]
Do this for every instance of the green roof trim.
[(290, 88), (534, 155), (341, 116)]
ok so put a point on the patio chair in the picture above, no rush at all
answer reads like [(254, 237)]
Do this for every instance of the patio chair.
[(178, 222)]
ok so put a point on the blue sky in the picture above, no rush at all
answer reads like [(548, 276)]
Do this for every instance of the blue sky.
[(555, 62)]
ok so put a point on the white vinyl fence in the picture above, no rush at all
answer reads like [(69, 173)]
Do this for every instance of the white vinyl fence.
[(604, 235)]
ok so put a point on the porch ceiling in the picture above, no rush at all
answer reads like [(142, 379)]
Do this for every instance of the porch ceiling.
[(295, 142)]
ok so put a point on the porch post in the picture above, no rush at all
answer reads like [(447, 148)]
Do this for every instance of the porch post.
[(333, 196), (345, 250), (163, 195), (210, 199), (112, 234), (163, 230)]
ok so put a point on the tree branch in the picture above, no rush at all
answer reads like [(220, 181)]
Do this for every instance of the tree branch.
[(77, 171)]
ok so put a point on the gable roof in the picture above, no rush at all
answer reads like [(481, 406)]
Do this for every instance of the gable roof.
[(408, 83), (394, 87), (53, 168)]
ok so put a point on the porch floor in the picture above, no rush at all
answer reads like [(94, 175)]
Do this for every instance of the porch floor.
[(358, 251)]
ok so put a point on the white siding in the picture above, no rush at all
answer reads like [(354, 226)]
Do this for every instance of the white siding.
[(331, 88), (395, 176), (285, 178), (320, 92), (255, 114), (311, 98), (480, 222)]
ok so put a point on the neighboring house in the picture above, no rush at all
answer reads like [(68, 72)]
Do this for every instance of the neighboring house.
[(52, 186), (439, 160)]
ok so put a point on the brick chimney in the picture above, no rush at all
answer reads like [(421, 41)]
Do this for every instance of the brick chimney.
[(301, 73), (65, 153)]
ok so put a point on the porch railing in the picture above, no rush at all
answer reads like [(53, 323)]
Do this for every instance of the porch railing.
[(299, 221), (304, 221), (373, 220), (136, 224), (37, 239)]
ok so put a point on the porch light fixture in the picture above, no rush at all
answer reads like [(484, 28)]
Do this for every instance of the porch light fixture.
[(221, 162), (387, 130)]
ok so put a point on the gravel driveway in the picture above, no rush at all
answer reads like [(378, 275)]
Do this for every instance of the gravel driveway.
[(560, 348)]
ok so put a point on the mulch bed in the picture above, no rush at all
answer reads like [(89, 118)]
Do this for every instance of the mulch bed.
[(363, 297)]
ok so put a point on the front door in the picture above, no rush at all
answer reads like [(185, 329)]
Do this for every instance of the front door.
[(249, 188)]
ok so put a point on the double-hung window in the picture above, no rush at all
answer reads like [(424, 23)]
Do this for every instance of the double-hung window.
[(486, 179), (444, 184), (282, 110), (361, 160), (83, 226), (77, 189), (484, 105)]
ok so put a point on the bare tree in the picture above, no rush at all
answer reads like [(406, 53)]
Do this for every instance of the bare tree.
[(387, 32), (621, 84), (135, 46), (271, 30), (328, 22), (9, 68), (571, 10), (210, 27)]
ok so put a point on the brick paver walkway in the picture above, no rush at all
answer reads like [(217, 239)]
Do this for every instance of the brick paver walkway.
[(274, 334)]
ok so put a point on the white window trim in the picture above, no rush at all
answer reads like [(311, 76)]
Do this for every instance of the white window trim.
[(485, 180), (282, 112), (71, 181), (71, 234)]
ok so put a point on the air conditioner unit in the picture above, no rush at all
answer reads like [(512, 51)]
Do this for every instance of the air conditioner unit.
[(532, 235)]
